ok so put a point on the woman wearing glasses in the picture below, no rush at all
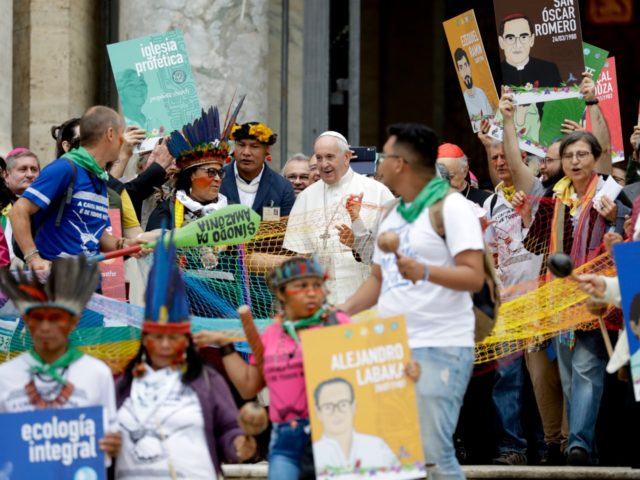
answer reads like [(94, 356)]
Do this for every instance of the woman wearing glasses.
[(575, 223)]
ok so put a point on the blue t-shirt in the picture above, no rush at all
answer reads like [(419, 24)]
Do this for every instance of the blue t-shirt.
[(84, 220)]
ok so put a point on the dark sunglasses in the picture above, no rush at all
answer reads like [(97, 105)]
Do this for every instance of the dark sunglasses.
[(213, 172)]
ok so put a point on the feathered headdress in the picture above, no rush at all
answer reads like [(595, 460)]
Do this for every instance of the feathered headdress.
[(294, 269), (203, 140), (69, 287), (167, 308)]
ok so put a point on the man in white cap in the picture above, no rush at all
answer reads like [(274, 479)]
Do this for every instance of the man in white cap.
[(325, 214)]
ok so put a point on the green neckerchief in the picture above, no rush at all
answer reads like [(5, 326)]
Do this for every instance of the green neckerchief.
[(84, 159), (64, 361), (433, 191), (290, 326)]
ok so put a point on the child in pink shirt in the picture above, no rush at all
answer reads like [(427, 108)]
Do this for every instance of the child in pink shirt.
[(298, 285)]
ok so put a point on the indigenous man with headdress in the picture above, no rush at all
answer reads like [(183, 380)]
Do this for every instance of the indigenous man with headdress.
[(249, 179), (53, 374)]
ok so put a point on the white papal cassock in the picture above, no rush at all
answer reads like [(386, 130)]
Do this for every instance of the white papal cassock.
[(312, 228)]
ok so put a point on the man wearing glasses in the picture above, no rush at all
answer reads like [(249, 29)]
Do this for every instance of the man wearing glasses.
[(297, 170), (516, 38), (340, 445)]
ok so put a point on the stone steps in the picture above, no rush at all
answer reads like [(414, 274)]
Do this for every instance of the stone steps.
[(259, 470)]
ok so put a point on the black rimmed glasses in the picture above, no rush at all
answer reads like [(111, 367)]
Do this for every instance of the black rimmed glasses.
[(213, 172)]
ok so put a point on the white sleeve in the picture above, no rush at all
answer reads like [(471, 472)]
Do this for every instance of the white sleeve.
[(296, 237), (461, 226)]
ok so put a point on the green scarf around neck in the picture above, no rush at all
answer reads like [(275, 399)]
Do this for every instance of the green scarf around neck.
[(51, 369), (435, 190), (81, 157), (290, 326)]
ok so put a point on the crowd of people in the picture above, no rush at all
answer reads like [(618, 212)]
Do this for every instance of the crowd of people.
[(329, 267)]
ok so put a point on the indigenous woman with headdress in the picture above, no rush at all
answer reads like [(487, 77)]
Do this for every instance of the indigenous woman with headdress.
[(201, 149), (298, 285), (177, 416), (53, 374)]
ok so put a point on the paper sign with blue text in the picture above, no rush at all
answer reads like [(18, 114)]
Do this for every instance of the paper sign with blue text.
[(56, 444)]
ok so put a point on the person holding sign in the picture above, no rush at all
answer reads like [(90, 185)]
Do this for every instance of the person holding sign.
[(298, 285), (53, 374), (200, 150), (176, 414), (427, 279)]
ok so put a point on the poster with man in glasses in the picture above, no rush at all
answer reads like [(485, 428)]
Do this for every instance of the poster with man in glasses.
[(540, 49), (362, 405)]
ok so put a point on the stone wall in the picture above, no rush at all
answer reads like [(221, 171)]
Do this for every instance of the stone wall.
[(55, 68)]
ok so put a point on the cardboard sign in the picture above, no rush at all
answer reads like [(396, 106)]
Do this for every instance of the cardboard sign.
[(627, 257), (55, 444), (540, 48), (230, 225), (607, 93), (112, 270), (470, 61), (537, 137), (358, 387), (154, 81)]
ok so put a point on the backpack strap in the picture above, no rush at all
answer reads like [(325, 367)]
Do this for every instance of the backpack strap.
[(68, 196), (436, 217), (492, 204)]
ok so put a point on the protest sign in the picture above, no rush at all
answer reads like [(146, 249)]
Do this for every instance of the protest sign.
[(627, 257), (558, 111), (112, 270), (607, 93), (358, 387), (57, 444), (537, 138), (155, 83), (540, 49), (470, 61)]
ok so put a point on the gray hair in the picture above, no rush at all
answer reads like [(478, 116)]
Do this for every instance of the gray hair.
[(11, 160), (299, 157)]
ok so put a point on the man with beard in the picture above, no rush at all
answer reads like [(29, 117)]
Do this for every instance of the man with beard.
[(475, 99)]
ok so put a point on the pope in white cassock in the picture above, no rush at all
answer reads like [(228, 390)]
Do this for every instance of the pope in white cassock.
[(321, 208)]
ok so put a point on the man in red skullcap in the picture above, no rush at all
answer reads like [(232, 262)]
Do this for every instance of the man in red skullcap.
[(453, 158)]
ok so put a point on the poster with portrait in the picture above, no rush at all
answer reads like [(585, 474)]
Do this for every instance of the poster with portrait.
[(534, 137), (472, 67), (52, 444), (357, 389), (607, 94), (540, 45), (627, 256), (155, 83)]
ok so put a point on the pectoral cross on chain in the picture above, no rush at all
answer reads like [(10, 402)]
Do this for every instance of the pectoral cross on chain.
[(324, 237)]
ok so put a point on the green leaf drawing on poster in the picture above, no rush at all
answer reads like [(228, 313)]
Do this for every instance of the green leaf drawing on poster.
[(556, 112)]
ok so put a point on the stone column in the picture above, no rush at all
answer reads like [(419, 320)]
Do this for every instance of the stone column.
[(6, 58), (55, 69)]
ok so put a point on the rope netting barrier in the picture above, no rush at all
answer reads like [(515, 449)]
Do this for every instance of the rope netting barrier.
[(219, 279)]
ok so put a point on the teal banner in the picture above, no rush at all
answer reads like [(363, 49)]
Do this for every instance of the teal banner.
[(155, 83)]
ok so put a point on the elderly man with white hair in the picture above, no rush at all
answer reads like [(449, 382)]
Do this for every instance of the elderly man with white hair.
[(329, 208)]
